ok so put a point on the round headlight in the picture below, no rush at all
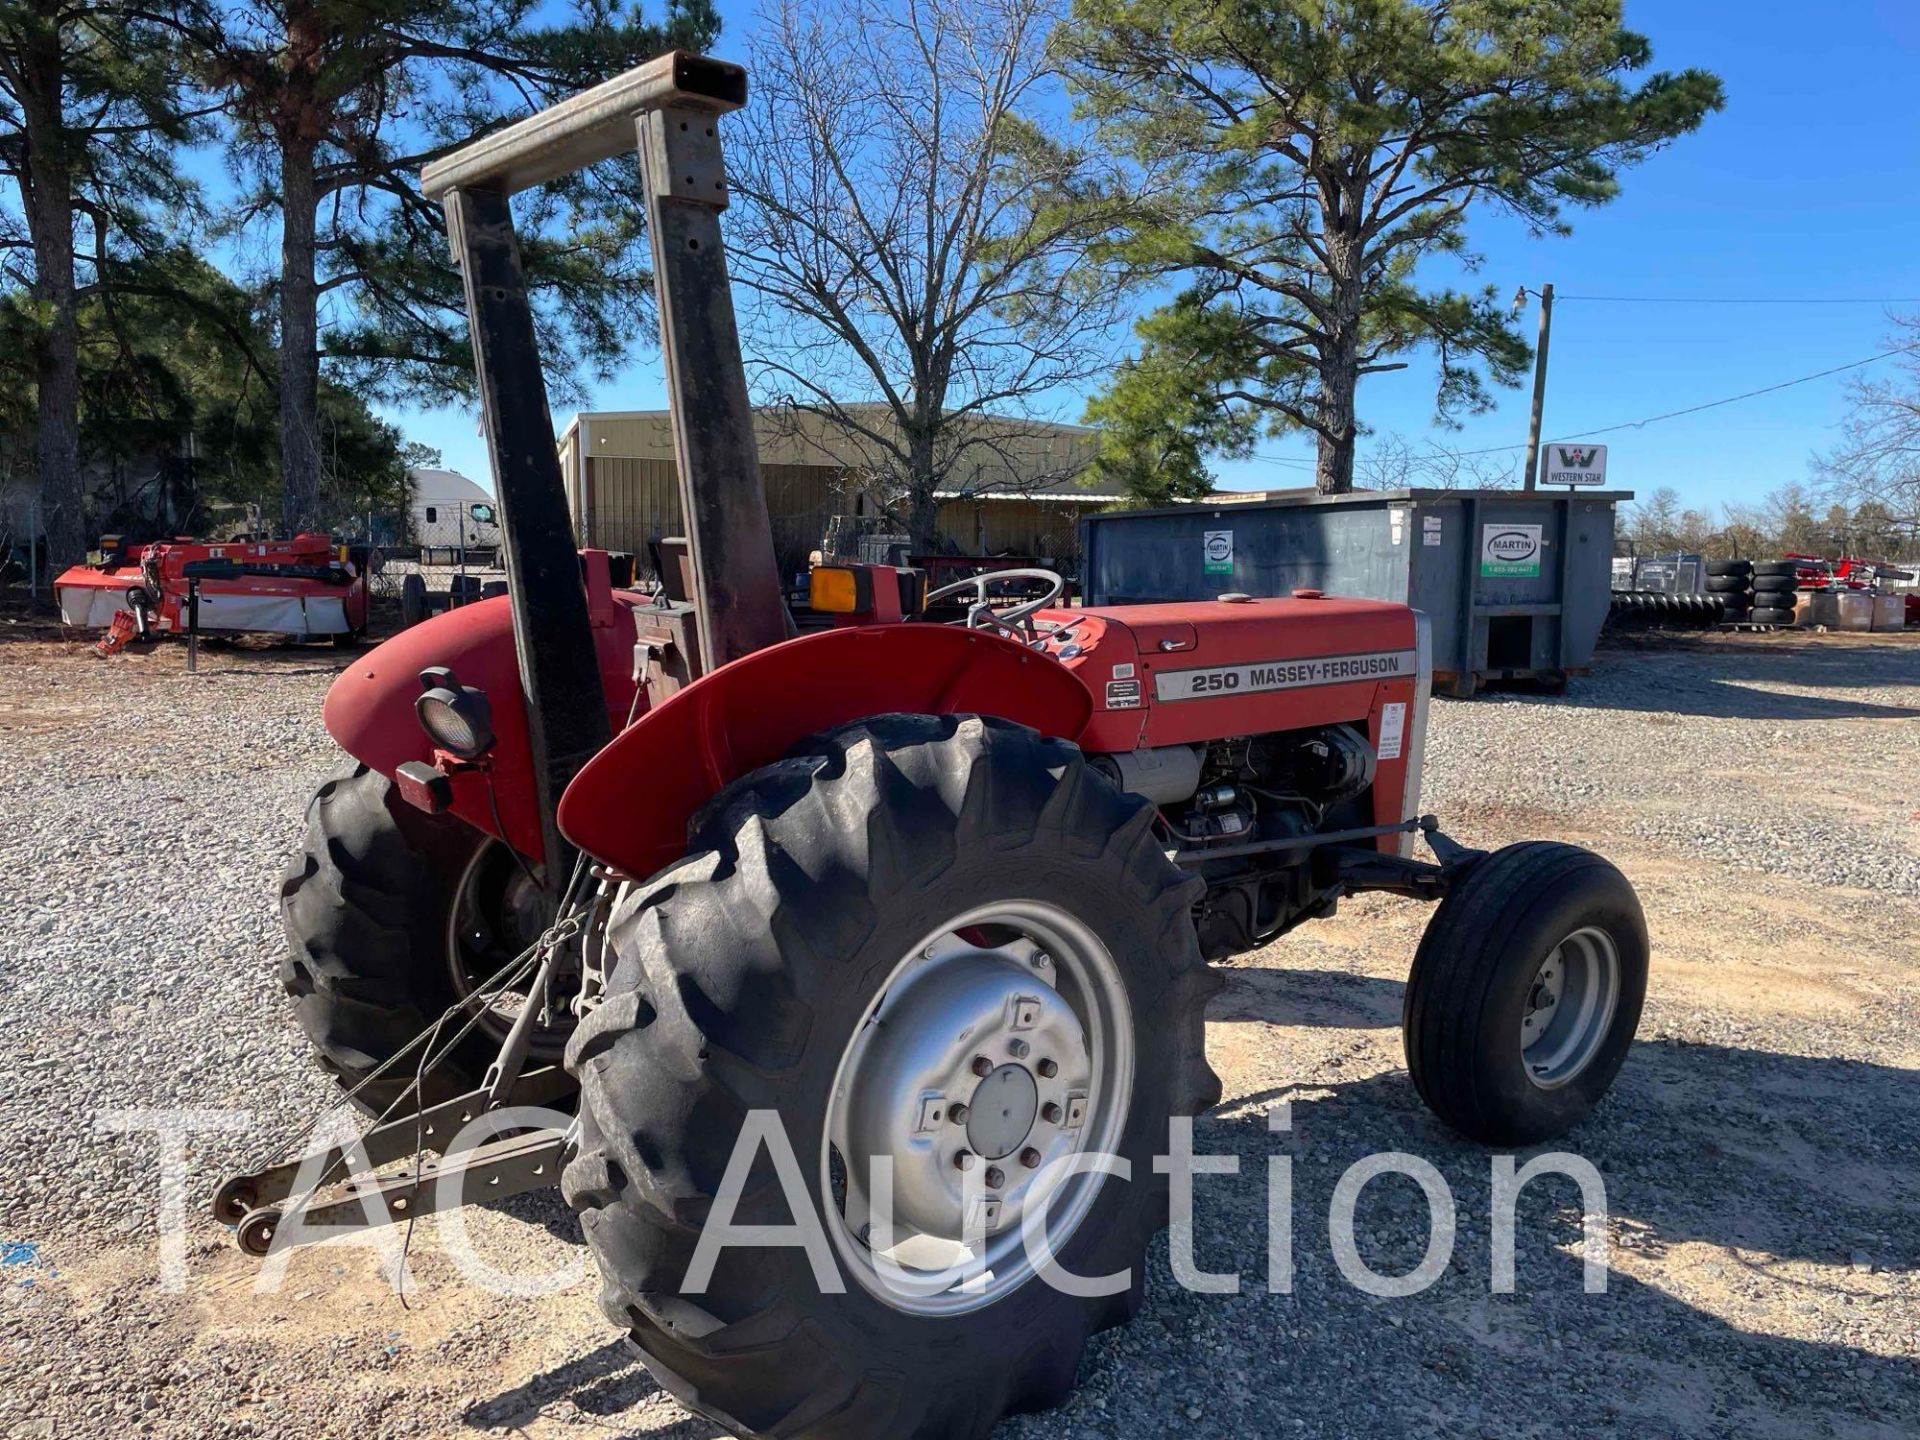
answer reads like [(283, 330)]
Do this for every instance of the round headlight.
[(458, 721)]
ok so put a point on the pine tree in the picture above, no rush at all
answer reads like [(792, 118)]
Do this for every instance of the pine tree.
[(1298, 159), (92, 103), (336, 105)]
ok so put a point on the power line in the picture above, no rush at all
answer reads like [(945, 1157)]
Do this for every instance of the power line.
[(1655, 419), (1742, 300), (1749, 394), (1704, 405)]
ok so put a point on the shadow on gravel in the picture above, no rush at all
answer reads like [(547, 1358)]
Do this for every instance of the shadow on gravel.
[(1719, 683), (1793, 1168), (604, 1383), (544, 1208), (1289, 995), (1803, 1169)]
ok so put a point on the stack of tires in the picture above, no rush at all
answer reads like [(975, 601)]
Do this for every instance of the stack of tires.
[(1774, 598), (1732, 582)]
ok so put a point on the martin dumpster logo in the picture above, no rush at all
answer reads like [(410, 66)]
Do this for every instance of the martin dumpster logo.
[(1510, 550), (1218, 547)]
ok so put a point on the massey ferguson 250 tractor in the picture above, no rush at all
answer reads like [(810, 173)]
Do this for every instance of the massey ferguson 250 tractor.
[(932, 901)]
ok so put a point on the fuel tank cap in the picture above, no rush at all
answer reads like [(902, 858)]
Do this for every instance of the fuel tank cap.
[(1308, 594), (1234, 597)]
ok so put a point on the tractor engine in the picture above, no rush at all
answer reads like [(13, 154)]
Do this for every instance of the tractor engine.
[(1260, 730), (1224, 806)]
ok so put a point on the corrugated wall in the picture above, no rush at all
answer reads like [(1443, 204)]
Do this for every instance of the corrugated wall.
[(1037, 526), (627, 495), (630, 502)]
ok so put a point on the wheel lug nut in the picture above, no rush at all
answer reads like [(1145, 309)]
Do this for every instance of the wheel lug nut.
[(982, 1066), (1041, 959), (956, 1113), (996, 1177), (1049, 1069), (1019, 1049), (1050, 1113), (1030, 1158), (966, 1159)]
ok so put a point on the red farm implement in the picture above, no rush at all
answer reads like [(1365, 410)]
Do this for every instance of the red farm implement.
[(302, 587)]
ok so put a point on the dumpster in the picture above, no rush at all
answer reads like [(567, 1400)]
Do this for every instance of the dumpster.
[(1516, 583)]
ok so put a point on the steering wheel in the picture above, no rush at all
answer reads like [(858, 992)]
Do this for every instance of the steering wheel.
[(982, 616)]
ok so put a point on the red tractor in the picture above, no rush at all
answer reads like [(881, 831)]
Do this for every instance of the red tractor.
[(940, 897)]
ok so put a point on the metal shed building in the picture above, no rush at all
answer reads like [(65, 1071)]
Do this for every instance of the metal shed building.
[(1021, 493)]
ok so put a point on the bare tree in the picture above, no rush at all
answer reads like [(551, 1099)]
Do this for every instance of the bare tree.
[(1392, 462), (1791, 523), (1877, 462), (1651, 523), (1743, 532), (913, 235)]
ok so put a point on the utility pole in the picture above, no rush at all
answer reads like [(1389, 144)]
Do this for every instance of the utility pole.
[(1539, 378)]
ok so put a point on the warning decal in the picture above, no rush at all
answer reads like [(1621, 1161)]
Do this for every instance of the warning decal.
[(1393, 729)]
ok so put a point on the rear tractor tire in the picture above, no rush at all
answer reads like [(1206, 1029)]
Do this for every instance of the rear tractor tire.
[(944, 940), (1526, 992), (392, 916)]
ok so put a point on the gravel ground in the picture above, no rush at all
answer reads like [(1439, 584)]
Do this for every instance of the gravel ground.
[(1761, 1152)]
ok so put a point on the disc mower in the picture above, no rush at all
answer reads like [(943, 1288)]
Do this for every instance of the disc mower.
[(938, 899), (303, 587)]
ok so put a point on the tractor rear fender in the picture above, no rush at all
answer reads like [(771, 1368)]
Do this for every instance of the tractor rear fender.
[(632, 803), (369, 709)]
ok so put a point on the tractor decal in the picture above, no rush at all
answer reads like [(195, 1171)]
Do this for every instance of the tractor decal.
[(1281, 675)]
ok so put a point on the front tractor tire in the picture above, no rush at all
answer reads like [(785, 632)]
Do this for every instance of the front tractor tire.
[(392, 916), (1526, 992), (946, 940)]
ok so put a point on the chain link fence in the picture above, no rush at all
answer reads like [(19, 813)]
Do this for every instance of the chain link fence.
[(23, 557), (440, 543)]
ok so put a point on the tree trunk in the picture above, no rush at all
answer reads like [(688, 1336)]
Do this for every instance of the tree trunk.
[(299, 341), (49, 205), (1339, 369), (1339, 380), (1333, 463), (923, 510), (923, 521)]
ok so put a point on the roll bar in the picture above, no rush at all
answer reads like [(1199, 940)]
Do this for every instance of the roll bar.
[(668, 111), (592, 126)]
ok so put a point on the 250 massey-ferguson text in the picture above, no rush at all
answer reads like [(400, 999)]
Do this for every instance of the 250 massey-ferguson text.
[(938, 898)]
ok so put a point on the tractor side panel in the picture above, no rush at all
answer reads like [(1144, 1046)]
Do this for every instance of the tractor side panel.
[(632, 803), (369, 709), (1203, 671)]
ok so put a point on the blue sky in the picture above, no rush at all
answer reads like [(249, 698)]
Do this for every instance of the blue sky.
[(1805, 188)]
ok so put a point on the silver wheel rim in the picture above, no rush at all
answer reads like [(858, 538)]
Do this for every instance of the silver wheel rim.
[(1015, 1013), (1570, 1005)]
